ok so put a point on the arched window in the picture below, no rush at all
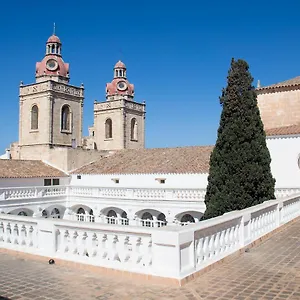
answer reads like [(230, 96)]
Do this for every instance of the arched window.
[(34, 117), (66, 118), (133, 130), (108, 129), (187, 218)]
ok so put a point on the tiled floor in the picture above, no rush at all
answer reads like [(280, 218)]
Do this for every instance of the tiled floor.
[(269, 271)]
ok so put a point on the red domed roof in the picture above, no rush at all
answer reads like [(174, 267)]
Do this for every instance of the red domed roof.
[(120, 64), (54, 39), (61, 68)]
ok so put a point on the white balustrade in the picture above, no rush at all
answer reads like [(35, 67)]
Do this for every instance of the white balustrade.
[(174, 252)]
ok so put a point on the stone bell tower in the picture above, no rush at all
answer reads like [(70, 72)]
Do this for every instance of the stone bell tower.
[(119, 122), (50, 109)]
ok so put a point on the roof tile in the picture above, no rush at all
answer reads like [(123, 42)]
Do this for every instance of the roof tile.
[(11, 168), (152, 161), (286, 130)]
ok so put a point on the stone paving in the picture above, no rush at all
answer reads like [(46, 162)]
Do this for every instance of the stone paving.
[(269, 271)]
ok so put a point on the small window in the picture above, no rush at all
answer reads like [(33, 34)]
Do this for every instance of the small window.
[(56, 181), (116, 180), (161, 180), (93, 133), (34, 117), (108, 129), (47, 182), (66, 118), (78, 176)]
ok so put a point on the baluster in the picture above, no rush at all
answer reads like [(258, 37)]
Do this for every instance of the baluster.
[(23, 236), (73, 242), (82, 243), (122, 248), (102, 248), (199, 251), (15, 234), (92, 245), (136, 255), (8, 233), (146, 250), (205, 249), (2, 232), (112, 241), (222, 242), (217, 244)]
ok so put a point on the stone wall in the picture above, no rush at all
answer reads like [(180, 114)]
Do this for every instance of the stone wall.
[(279, 107), (65, 158)]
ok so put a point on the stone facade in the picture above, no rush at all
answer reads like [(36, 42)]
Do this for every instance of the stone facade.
[(279, 105), (122, 114), (50, 97)]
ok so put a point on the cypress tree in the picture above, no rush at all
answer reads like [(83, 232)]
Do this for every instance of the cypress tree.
[(240, 174)]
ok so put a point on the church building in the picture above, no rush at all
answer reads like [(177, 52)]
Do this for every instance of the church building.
[(51, 116)]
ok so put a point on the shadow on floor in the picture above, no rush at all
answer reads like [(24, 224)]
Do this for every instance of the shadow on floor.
[(4, 298)]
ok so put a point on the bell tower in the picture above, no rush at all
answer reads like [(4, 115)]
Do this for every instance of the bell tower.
[(51, 109), (119, 122)]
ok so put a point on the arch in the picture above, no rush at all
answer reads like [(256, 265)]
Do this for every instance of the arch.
[(44, 213), (133, 130), (81, 211), (55, 214), (66, 118), (34, 117), (147, 216), (187, 218), (124, 215), (22, 213), (161, 217), (19, 211), (111, 213), (108, 128)]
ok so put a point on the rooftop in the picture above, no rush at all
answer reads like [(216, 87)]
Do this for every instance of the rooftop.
[(286, 130), (193, 159), (27, 169), (287, 83)]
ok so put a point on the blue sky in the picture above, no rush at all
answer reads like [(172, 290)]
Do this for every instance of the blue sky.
[(177, 54)]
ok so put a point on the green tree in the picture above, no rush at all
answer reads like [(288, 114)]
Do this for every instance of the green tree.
[(240, 174)]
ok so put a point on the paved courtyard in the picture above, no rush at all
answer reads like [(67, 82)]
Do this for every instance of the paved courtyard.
[(269, 271)]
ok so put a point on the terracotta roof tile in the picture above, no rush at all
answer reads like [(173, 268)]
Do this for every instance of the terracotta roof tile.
[(286, 130), (11, 168), (150, 161), (290, 82)]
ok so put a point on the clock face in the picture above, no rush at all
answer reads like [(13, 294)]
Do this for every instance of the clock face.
[(122, 86), (52, 65)]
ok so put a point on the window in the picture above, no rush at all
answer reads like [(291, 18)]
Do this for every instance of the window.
[(66, 118), (161, 180), (78, 176), (108, 129), (116, 180), (93, 133), (47, 182), (34, 117), (133, 131), (56, 181)]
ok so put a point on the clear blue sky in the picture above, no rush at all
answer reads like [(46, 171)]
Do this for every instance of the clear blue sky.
[(177, 54)]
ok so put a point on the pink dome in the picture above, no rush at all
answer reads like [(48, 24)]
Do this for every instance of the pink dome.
[(59, 66), (111, 88), (54, 39), (120, 64)]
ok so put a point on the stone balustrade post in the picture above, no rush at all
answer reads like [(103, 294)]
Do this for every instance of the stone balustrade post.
[(46, 237), (173, 253), (279, 213)]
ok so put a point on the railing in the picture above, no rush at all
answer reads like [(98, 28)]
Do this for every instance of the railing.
[(169, 251), (152, 194), (14, 193)]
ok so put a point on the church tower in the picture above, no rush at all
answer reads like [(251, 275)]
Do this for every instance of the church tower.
[(119, 122), (51, 109)]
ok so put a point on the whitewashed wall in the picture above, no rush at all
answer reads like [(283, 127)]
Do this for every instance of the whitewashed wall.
[(142, 180), (285, 153), (22, 182)]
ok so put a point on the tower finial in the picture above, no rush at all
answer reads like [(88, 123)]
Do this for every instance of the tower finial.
[(54, 28)]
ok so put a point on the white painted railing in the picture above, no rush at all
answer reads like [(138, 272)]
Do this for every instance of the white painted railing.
[(169, 251), (13, 193), (154, 194)]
